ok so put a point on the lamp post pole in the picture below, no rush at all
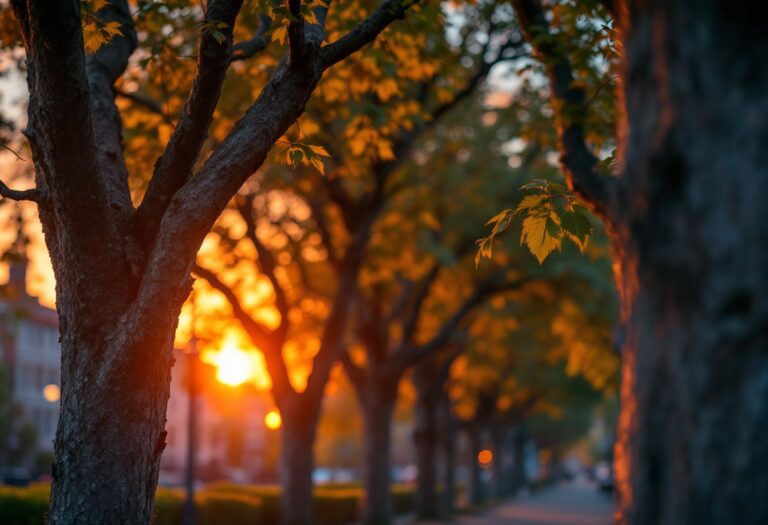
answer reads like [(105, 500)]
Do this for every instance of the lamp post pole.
[(193, 386), (189, 474)]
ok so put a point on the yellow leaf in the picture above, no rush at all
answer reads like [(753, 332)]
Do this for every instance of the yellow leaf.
[(538, 236), (93, 39), (317, 162), (319, 150), (112, 29), (385, 150), (386, 88), (280, 34)]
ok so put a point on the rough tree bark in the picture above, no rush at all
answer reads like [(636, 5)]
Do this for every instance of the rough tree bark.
[(122, 274), (688, 223)]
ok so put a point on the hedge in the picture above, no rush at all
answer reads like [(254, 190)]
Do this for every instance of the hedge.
[(24, 505), (331, 507), (221, 502), (29, 506)]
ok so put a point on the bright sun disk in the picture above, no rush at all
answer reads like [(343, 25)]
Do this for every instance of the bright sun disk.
[(233, 365)]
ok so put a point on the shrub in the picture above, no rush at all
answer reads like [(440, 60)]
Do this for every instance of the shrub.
[(403, 499), (168, 504), (24, 505), (336, 507), (331, 507), (212, 508)]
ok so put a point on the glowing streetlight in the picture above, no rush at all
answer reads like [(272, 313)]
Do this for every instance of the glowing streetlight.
[(51, 393), (485, 457), (273, 420)]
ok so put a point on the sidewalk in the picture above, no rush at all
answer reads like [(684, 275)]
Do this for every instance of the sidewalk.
[(577, 503)]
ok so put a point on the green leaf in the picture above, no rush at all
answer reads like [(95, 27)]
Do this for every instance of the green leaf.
[(220, 37), (577, 227)]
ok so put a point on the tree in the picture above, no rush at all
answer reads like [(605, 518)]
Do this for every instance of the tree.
[(691, 177), (345, 208), (123, 272)]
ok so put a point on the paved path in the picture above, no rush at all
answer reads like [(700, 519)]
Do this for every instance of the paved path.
[(577, 503)]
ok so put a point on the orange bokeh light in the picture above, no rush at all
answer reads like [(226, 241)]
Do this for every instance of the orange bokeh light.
[(51, 393), (273, 420), (485, 457)]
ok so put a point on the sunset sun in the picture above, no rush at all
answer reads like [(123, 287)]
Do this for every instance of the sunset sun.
[(234, 366)]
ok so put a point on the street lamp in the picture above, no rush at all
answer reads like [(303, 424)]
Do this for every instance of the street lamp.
[(193, 387), (192, 357)]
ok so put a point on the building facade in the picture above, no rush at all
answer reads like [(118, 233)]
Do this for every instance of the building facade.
[(230, 436), (31, 355)]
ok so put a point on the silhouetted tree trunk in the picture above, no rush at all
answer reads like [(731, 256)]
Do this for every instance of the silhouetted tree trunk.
[(688, 222), (378, 405), (425, 440), (300, 416), (476, 489), (518, 479), (447, 440), (498, 438)]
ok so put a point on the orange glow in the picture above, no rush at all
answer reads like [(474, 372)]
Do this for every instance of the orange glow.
[(51, 393), (235, 366), (273, 420), (485, 457)]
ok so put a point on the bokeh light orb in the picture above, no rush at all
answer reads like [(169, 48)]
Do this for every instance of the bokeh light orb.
[(485, 457), (52, 393), (273, 420)]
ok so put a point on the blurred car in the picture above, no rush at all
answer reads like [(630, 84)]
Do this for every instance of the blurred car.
[(604, 478)]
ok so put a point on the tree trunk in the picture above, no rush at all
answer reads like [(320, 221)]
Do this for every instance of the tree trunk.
[(448, 446), (691, 242), (498, 437), (476, 489), (518, 477), (425, 441), (111, 431), (300, 417), (378, 407), (449, 474)]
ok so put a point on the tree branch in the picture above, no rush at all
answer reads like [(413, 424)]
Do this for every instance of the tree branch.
[(269, 342), (249, 48), (296, 44), (267, 262), (104, 67), (407, 354), (186, 215), (413, 310), (578, 162), (366, 31), (60, 131), (174, 167), (34, 194), (146, 102), (355, 373)]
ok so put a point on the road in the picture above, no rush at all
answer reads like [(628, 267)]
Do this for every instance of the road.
[(576, 503)]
